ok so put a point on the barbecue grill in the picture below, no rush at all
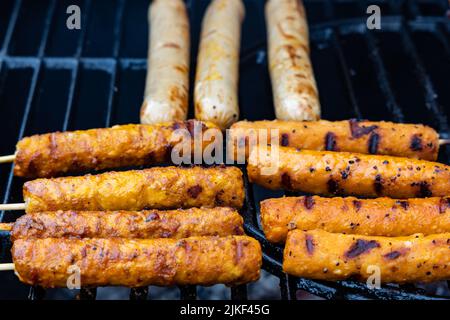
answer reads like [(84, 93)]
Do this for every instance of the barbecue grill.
[(52, 78)]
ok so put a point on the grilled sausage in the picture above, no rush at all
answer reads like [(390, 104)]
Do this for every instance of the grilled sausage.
[(154, 188), (294, 87), (216, 81), (167, 84), (133, 263), (219, 221), (318, 254), (371, 217), (56, 153), (388, 138), (342, 173)]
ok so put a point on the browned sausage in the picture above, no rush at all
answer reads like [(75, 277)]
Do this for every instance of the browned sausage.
[(388, 138), (372, 217), (318, 254), (134, 263), (154, 188), (148, 224), (53, 154), (342, 173)]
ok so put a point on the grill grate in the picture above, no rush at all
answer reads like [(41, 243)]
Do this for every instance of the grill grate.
[(52, 78)]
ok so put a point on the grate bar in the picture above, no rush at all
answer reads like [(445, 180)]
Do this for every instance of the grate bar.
[(345, 71), (47, 27), (36, 293), (188, 292), (383, 80), (11, 26), (87, 294), (140, 293)]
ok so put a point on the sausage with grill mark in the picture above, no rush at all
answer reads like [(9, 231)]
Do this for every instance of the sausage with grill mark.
[(342, 173), (321, 255), (147, 224), (154, 188), (229, 260), (371, 217)]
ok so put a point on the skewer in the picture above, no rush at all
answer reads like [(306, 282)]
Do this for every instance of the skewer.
[(12, 206), (6, 266), (6, 226), (7, 159), (12, 157)]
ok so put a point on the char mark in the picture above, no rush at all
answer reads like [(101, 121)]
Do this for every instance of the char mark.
[(309, 202), (284, 140), (403, 203), (286, 181), (378, 184), (330, 142), (357, 204), (392, 255), (194, 191), (360, 247), (444, 204), (373, 143), (333, 186), (416, 143), (424, 189), (309, 244), (359, 131)]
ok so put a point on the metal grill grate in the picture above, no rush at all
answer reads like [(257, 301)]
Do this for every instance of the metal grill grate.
[(52, 78)]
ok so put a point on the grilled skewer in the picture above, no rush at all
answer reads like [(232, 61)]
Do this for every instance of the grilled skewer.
[(231, 260), (342, 173), (371, 217), (318, 254), (167, 84), (371, 137), (53, 154), (154, 188), (148, 224)]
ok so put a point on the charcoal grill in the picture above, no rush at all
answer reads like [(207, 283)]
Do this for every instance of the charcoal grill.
[(52, 78)]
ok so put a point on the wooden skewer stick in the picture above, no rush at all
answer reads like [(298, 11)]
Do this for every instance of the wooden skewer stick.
[(6, 266), (12, 206), (7, 159), (6, 226), (443, 142)]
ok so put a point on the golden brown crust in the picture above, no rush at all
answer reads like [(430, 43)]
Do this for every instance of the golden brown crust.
[(133, 263), (342, 173), (318, 254), (53, 154), (371, 217), (148, 224), (154, 188), (381, 137)]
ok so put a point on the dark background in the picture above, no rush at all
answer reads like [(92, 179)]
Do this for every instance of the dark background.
[(52, 78)]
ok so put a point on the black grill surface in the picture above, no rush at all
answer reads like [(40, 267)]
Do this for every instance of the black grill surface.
[(52, 78)]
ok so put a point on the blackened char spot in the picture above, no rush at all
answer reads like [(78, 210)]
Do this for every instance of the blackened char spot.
[(309, 244), (194, 191), (424, 189), (359, 131), (373, 142), (309, 202), (284, 140), (392, 255), (360, 247), (357, 204), (416, 143), (403, 203), (333, 186), (330, 142), (286, 181), (444, 203), (151, 217), (378, 184)]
